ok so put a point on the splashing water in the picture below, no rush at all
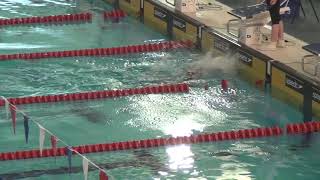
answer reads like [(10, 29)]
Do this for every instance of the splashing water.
[(208, 66)]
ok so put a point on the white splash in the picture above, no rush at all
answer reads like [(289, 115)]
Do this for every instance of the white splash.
[(209, 64)]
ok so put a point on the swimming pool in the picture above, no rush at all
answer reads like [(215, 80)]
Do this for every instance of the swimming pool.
[(139, 117)]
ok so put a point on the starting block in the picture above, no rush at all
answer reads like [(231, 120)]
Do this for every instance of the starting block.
[(186, 6), (311, 63), (247, 12), (313, 48), (251, 19), (192, 6)]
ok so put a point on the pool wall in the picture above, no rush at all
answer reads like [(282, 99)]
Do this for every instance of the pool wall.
[(132, 7), (111, 1), (286, 84)]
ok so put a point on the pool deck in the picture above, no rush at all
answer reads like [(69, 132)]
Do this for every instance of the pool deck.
[(290, 56)]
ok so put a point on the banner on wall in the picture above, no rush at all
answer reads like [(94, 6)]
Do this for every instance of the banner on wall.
[(294, 83), (245, 58), (316, 94), (221, 44), (159, 13), (179, 24)]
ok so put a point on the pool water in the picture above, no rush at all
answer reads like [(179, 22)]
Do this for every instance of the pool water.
[(142, 116), (98, 33)]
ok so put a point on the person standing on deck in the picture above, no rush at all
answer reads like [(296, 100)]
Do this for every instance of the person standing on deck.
[(277, 25)]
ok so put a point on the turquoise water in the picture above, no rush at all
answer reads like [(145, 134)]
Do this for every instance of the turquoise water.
[(140, 117), (39, 38)]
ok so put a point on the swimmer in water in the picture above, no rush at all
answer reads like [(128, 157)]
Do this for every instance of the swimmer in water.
[(225, 88), (144, 158), (89, 114), (194, 73), (190, 75), (222, 154)]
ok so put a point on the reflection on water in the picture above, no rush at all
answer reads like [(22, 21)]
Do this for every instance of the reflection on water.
[(184, 126), (234, 171), (180, 157)]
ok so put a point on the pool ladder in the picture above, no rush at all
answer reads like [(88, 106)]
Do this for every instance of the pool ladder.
[(315, 63)]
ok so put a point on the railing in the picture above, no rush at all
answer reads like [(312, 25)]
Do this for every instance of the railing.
[(171, 2), (238, 21)]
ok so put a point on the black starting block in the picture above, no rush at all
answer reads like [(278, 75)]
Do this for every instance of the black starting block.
[(249, 11), (312, 61), (313, 48)]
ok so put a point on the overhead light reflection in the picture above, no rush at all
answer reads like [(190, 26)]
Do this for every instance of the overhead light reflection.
[(233, 171), (180, 157), (184, 126)]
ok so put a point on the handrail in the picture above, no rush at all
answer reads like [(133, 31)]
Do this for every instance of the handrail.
[(228, 27), (173, 4)]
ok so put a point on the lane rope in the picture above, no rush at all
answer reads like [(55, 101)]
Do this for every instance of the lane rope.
[(302, 128), (114, 14), (296, 128), (173, 88), (52, 20), (142, 48), (146, 143)]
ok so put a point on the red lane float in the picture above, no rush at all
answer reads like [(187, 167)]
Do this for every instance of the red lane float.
[(300, 128), (174, 88), (147, 143), (54, 19), (114, 14), (153, 47)]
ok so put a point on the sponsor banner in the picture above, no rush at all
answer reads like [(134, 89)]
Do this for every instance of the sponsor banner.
[(294, 83), (245, 58), (316, 94), (221, 45), (161, 14), (180, 24)]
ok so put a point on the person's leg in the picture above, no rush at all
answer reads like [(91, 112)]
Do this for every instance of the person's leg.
[(277, 25), (281, 30), (281, 43), (274, 10), (275, 32)]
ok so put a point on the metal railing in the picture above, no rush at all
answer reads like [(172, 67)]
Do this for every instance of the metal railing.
[(238, 21), (171, 2)]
